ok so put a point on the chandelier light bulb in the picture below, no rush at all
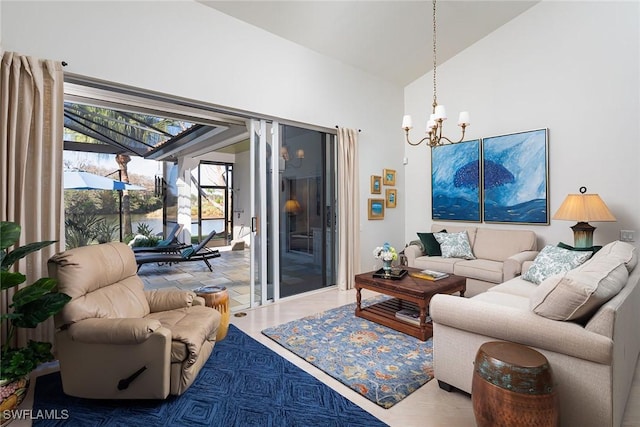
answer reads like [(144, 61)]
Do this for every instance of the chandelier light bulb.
[(407, 123), (440, 112), (463, 119)]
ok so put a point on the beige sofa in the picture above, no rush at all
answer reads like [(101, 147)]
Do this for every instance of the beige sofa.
[(593, 358), (499, 256), (114, 340)]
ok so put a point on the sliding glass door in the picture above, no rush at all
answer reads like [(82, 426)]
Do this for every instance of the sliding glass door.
[(293, 209), (307, 205)]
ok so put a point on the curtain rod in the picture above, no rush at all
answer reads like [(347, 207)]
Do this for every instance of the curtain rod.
[(338, 127)]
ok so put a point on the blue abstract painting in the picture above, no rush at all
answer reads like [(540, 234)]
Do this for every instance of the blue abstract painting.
[(455, 182), (515, 176)]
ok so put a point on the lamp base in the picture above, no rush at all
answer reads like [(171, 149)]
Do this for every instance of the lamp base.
[(583, 235)]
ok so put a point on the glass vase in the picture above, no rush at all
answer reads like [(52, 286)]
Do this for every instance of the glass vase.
[(386, 266)]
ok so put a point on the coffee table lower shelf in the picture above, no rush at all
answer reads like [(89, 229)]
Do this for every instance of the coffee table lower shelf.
[(384, 313)]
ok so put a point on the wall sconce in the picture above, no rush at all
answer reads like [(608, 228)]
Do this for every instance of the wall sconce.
[(284, 153)]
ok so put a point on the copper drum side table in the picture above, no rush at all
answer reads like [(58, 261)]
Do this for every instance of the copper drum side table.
[(513, 386), (217, 297)]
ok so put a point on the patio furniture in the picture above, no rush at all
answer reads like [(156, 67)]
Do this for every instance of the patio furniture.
[(193, 253), (170, 244)]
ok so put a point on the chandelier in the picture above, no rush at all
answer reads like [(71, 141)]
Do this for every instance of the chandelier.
[(438, 114)]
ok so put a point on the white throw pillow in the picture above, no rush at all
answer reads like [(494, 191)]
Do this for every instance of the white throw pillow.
[(577, 294), (455, 245), (553, 260)]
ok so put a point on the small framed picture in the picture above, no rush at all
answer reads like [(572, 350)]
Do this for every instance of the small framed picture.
[(389, 177), (391, 196), (376, 208), (376, 184)]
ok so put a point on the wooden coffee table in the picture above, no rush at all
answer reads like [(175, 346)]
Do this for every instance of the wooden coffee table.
[(408, 292)]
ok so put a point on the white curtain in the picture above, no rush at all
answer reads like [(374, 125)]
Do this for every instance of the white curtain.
[(31, 132), (349, 207)]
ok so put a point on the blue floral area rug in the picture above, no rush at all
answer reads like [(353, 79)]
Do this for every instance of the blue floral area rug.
[(381, 364), (243, 384)]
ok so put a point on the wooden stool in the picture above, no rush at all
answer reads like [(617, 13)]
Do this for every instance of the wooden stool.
[(513, 386), (217, 297)]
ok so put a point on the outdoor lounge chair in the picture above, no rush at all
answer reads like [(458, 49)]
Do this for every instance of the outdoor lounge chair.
[(170, 244), (191, 253)]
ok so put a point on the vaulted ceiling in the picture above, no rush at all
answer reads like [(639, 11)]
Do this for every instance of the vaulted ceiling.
[(389, 39)]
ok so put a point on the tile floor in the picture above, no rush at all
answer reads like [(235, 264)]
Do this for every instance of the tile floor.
[(230, 270)]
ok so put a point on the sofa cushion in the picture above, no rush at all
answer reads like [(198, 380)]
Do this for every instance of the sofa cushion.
[(498, 245), (625, 252), (553, 260), (577, 294), (508, 300), (437, 263), (481, 269), (455, 245), (515, 286), (430, 244)]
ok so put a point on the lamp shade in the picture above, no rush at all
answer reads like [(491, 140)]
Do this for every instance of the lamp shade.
[(292, 206), (584, 208)]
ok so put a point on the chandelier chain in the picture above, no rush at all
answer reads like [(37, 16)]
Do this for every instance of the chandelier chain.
[(435, 98), (434, 136)]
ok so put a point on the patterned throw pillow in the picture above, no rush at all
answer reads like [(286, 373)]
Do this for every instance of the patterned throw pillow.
[(553, 260), (455, 245)]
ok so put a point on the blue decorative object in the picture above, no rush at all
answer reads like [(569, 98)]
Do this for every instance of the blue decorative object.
[(516, 178), (455, 182), (381, 364), (242, 384)]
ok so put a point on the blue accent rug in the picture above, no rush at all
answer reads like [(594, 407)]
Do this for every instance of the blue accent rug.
[(243, 384), (383, 365)]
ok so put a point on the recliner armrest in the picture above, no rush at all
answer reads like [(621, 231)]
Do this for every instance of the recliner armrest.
[(169, 300), (512, 266), (113, 331)]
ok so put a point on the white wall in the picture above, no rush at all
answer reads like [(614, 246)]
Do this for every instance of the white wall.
[(572, 67), (189, 50)]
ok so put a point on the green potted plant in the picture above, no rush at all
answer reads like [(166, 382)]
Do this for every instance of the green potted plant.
[(30, 306)]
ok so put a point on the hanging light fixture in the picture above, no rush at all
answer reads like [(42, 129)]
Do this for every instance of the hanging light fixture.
[(438, 114)]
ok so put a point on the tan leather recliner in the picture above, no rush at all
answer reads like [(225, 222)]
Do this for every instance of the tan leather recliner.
[(115, 340)]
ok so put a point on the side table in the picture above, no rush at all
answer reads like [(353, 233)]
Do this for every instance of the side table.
[(513, 386), (217, 297)]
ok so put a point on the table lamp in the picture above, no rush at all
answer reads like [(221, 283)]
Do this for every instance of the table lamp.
[(583, 208)]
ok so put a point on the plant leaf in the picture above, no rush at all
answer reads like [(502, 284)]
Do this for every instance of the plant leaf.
[(23, 251), (40, 310), (18, 362), (9, 234), (32, 292), (9, 280)]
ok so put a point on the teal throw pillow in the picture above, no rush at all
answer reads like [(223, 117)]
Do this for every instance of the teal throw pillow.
[(593, 249), (430, 244), (553, 260), (455, 245), (186, 253)]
